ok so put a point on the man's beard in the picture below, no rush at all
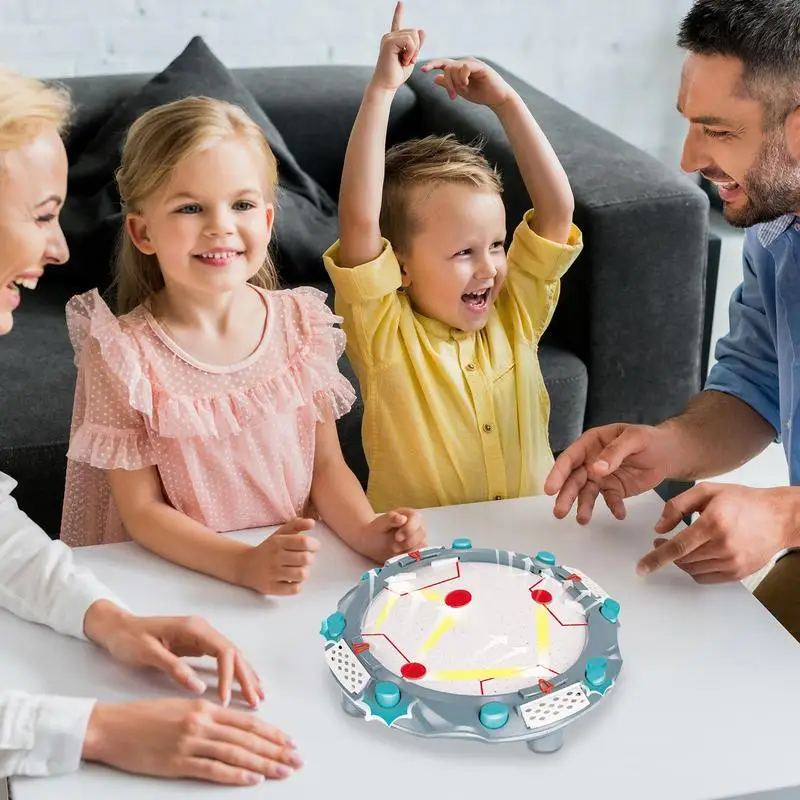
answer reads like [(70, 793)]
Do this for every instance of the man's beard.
[(772, 186)]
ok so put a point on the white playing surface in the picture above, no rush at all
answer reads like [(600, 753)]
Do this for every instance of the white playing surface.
[(501, 641)]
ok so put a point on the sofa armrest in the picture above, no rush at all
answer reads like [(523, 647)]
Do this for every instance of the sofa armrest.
[(632, 306)]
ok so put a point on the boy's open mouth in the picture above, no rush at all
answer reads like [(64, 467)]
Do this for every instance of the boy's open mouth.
[(476, 301)]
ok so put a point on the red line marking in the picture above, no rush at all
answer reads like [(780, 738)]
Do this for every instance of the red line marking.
[(531, 588), (422, 588), (407, 659), (565, 624), (541, 680)]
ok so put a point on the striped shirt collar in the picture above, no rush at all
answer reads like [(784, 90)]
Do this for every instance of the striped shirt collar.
[(768, 232)]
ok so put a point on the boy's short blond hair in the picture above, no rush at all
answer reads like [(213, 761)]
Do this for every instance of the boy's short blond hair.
[(428, 161)]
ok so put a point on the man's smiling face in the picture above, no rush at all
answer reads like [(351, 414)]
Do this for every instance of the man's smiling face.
[(729, 143)]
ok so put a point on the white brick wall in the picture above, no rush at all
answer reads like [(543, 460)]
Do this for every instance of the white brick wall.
[(613, 60)]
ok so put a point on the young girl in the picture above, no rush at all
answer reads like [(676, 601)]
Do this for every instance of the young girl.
[(210, 403)]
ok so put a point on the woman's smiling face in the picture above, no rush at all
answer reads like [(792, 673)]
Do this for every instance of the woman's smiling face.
[(33, 184)]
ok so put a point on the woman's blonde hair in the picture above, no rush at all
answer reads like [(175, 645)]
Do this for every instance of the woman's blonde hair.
[(26, 106), (156, 143)]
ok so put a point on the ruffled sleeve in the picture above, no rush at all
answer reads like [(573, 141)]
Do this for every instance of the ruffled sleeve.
[(313, 367), (112, 395)]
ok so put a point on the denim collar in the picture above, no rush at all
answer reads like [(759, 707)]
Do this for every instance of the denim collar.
[(768, 232)]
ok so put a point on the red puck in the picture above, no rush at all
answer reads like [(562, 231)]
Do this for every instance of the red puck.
[(458, 598), (413, 671)]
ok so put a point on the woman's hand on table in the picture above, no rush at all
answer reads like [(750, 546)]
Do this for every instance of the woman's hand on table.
[(188, 739), (161, 642)]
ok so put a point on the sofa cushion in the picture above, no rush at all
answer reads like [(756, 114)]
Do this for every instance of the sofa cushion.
[(36, 364), (314, 108), (306, 221), (567, 383)]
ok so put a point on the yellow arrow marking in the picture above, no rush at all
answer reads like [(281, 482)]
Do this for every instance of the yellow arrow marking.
[(438, 632), (393, 598), (542, 632), (479, 674)]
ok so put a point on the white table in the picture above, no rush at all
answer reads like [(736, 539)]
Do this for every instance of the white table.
[(706, 706)]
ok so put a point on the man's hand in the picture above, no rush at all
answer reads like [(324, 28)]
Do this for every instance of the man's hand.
[(188, 739), (395, 532), (161, 642), (617, 461), (738, 531), (280, 564), (471, 79), (398, 54)]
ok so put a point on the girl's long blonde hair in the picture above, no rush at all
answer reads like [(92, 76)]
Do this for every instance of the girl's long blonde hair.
[(26, 106), (156, 143)]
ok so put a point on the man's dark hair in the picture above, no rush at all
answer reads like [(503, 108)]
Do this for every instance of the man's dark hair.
[(764, 35)]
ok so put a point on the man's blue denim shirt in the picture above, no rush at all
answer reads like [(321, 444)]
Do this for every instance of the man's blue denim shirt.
[(759, 359)]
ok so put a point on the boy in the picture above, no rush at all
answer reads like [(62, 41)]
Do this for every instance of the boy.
[(442, 327)]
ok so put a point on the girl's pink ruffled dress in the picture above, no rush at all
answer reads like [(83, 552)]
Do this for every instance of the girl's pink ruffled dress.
[(234, 445)]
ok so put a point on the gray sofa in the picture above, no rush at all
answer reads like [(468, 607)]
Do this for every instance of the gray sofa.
[(625, 343)]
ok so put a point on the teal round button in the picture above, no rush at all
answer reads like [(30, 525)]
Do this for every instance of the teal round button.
[(461, 544), (610, 609), (387, 694), (493, 715), (546, 557), (336, 624), (596, 671)]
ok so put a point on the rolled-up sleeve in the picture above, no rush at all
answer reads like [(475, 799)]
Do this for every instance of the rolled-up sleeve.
[(41, 735), (366, 299), (747, 358), (38, 579)]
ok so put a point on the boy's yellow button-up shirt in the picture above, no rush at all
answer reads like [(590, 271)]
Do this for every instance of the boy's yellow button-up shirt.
[(452, 416)]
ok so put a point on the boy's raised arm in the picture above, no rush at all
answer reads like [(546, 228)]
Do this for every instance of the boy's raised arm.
[(362, 176), (541, 171)]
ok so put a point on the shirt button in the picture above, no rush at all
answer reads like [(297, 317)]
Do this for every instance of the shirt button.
[(470, 368), (488, 427)]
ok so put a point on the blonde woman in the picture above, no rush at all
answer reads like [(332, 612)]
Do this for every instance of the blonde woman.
[(39, 582)]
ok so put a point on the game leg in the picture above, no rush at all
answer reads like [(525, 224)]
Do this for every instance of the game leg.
[(547, 744), (350, 707)]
